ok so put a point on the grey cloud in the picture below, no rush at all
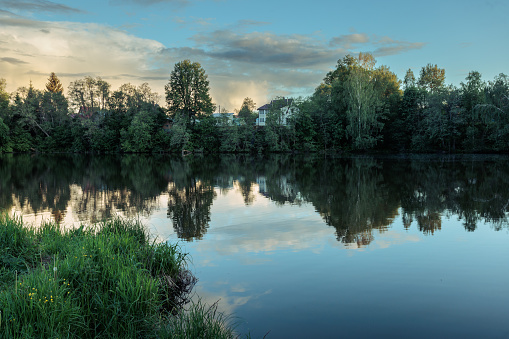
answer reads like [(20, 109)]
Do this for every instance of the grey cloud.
[(9, 19), (397, 48), (246, 23), (348, 40), (150, 2), (266, 48), (64, 75), (13, 61), (384, 45), (39, 6)]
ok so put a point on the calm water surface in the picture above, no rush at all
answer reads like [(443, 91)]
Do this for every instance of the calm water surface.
[(308, 246)]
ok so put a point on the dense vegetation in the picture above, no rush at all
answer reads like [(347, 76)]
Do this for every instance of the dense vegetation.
[(107, 281), (357, 107)]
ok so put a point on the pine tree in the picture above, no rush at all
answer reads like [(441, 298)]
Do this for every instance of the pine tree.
[(54, 85)]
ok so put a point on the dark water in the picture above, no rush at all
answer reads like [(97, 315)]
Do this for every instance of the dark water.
[(308, 246)]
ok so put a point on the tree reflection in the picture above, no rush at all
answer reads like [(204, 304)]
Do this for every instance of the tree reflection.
[(93, 188), (352, 196), (190, 196), (189, 209), (355, 195)]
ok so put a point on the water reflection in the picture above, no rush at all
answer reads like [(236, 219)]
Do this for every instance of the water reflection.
[(356, 196)]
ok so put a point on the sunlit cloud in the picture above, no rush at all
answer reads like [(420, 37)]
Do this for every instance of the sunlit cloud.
[(33, 49)]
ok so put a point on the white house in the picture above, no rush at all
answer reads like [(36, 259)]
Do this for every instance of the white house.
[(224, 117), (288, 108)]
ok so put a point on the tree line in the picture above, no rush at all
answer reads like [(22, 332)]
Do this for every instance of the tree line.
[(357, 107)]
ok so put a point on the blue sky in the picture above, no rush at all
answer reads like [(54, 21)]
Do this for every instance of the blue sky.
[(258, 49)]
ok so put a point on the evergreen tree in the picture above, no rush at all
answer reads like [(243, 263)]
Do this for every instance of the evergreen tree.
[(54, 85)]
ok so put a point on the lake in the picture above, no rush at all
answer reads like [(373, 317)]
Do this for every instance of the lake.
[(307, 246)]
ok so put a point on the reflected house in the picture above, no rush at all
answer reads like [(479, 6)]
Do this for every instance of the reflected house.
[(278, 189), (287, 108)]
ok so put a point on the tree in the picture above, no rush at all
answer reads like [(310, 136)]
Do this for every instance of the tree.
[(432, 78), (409, 80), (4, 137), (472, 95), (54, 85), (187, 92), (247, 108), (4, 97), (103, 90), (363, 125)]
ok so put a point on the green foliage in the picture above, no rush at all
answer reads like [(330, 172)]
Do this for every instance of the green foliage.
[(4, 98), (431, 78), (246, 111), (204, 136), (187, 92), (180, 137), (139, 135), (5, 140), (363, 125)]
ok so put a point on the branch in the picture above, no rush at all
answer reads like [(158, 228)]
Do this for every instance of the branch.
[(488, 106)]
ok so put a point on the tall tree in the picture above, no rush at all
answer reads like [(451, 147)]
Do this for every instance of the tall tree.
[(246, 110), (363, 123), (409, 80), (432, 78), (54, 85), (103, 91), (187, 92), (4, 97)]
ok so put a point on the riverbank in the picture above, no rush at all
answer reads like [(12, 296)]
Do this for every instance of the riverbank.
[(106, 280)]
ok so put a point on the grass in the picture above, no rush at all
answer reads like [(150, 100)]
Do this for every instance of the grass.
[(107, 280)]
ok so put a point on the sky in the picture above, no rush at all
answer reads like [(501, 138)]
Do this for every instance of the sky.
[(258, 49)]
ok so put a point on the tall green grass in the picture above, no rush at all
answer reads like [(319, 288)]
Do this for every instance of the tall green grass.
[(108, 280)]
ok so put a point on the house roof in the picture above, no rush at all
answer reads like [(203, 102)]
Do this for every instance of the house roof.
[(285, 102)]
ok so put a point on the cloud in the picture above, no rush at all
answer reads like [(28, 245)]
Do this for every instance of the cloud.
[(39, 6), (397, 48), (348, 40), (265, 48), (32, 49), (240, 63), (378, 45), (260, 65), (12, 61), (150, 2)]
